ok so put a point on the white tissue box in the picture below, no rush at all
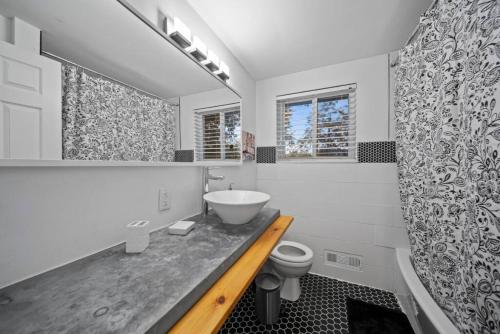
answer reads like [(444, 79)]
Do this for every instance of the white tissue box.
[(137, 236), (182, 227)]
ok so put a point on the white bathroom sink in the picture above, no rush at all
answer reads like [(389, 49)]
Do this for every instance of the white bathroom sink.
[(236, 206)]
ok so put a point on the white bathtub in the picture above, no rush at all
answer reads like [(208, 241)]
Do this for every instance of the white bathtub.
[(427, 315)]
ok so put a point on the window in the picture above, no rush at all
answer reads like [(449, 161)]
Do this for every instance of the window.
[(218, 133), (319, 124)]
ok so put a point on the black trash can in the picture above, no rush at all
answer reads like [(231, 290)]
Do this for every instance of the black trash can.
[(267, 298)]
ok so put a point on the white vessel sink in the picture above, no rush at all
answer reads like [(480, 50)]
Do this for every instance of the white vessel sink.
[(236, 206)]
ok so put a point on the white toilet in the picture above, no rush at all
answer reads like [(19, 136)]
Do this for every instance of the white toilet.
[(291, 260)]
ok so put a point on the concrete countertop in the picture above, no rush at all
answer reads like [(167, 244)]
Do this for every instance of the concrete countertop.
[(111, 291)]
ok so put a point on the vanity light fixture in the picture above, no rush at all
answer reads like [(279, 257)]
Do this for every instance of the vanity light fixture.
[(223, 72), (198, 49), (178, 31), (181, 34), (212, 61)]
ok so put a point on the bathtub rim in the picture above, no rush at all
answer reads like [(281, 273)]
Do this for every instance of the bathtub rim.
[(431, 309)]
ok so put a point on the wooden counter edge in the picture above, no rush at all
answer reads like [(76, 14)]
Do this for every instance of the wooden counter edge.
[(215, 306)]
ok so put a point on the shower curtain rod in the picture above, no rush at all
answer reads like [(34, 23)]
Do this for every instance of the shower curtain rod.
[(417, 28), (61, 59), (414, 34)]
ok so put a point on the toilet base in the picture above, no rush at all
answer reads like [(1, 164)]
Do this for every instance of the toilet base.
[(290, 289)]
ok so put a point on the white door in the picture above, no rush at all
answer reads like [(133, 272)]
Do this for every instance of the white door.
[(30, 105)]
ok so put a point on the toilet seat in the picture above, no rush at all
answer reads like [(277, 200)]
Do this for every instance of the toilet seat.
[(290, 264), (306, 256)]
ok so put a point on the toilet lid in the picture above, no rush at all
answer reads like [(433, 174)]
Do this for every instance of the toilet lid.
[(292, 252)]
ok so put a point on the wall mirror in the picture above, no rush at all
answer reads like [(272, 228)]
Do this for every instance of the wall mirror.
[(125, 89)]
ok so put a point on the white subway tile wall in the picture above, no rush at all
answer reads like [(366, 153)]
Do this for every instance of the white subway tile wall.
[(347, 207)]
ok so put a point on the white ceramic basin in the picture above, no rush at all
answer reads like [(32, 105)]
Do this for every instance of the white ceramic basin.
[(236, 206)]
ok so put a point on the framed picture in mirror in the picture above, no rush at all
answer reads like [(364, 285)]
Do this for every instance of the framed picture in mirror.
[(248, 140)]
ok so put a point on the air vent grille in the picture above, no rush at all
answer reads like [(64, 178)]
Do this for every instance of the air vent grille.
[(343, 260)]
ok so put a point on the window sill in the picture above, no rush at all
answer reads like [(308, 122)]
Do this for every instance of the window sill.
[(216, 163), (317, 161)]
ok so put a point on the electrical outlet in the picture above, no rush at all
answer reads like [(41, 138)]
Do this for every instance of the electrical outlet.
[(163, 200)]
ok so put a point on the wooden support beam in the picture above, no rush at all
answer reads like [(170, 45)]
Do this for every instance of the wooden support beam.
[(210, 312)]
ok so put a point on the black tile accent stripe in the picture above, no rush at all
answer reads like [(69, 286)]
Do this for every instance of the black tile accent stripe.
[(266, 155), (321, 308), (377, 152), (184, 156)]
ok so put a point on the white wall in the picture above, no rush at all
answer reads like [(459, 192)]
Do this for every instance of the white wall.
[(347, 207), (392, 61), (189, 103), (22, 34), (371, 77), (50, 216), (5, 29)]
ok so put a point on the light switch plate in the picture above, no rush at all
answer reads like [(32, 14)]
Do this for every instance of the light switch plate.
[(163, 200)]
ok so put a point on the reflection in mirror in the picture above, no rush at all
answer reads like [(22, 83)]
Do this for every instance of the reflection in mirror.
[(107, 120), (209, 121), (128, 92), (218, 133), (217, 129)]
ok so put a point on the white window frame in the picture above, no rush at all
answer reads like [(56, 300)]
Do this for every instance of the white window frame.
[(222, 110), (313, 96)]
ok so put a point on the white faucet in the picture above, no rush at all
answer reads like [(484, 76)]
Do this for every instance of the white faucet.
[(205, 178)]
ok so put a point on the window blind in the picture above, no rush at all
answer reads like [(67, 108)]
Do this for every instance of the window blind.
[(218, 133), (317, 124)]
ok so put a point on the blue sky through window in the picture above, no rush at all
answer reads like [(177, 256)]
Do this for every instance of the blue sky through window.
[(298, 136), (300, 118), (332, 127), (332, 109)]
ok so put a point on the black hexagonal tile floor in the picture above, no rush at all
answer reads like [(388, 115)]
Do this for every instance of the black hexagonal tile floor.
[(321, 309)]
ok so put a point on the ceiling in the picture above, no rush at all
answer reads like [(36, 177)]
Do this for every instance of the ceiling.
[(276, 37)]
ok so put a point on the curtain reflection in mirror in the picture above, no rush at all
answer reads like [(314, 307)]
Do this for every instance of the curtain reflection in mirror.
[(105, 120)]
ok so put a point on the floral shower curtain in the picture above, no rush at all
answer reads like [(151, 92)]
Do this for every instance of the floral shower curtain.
[(105, 120), (448, 137)]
